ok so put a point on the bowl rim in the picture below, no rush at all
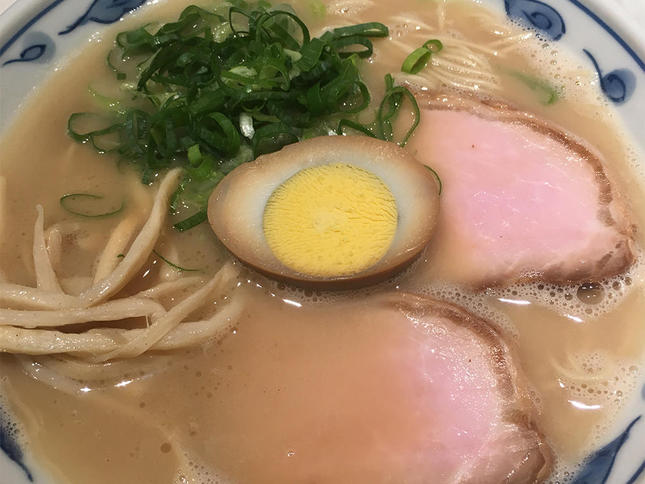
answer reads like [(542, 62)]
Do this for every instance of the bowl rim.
[(624, 29), (621, 27), (20, 12)]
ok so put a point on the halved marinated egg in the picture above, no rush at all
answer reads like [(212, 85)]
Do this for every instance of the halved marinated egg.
[(329, 212)]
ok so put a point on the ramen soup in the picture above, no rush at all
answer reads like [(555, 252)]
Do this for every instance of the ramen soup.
[(248, 378)]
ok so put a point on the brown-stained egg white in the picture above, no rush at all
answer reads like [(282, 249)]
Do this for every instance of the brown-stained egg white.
[(329, 212)]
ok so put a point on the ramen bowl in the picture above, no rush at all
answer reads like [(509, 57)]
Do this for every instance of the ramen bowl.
[(38, 36)]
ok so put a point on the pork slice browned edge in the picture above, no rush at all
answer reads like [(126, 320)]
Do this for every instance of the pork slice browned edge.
[(612, 208), (522, 454)]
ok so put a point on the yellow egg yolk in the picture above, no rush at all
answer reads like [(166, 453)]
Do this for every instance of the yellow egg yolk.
[(330, 220)]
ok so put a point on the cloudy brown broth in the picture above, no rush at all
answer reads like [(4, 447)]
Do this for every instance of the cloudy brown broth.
[(222, 411)]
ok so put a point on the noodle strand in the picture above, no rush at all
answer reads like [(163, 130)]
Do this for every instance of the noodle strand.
[(119, 239), (140, 249), (45, 276), (105, 341), (109, 311), (172, 318)]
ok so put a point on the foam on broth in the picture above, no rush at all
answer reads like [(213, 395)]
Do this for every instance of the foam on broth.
[(191, 416)]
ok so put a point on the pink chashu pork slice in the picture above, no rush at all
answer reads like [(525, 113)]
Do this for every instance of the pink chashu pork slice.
[(477, 422), (415, 391), (522, 199)]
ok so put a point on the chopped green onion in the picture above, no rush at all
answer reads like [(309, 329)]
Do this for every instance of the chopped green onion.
[(369, 29), (109, 104), (194, 155), (192, 221), (436, 175), (68, 199), (355, 40), (121, 76), (272, 137), (172, 264), (416, 61), (318, 8), (388, 111), (98, 138), (546, 92), (419, 58), (348, 123), (434, 45)]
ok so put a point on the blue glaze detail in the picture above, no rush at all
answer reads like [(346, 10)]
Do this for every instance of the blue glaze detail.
[(40, 48), (611, 32), (598, 465), (104, 12), (539, 15), (11, 448), (28, 25), (618, 85), (31, 53), (637, 474)]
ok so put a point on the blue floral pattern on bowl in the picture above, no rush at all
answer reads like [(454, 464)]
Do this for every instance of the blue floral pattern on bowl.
[(104, 12), (37, 42), (538, 15), (39, 46), (598, 466), (10, 447), (618, 85)]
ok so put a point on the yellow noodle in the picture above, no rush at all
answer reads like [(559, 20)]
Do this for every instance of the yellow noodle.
[(74, 285), (441, 14), (140, 249), (31, 323), (83, 372), (110, 311), (31, 297), (166, 323), (54, 240), (45, 276), (458, 66), (190, 334), (96, 344), (164, 288), (116, 245), (166, 271), (46, 342)]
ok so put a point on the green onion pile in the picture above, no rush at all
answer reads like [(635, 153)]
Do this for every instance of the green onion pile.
[(218, 88)]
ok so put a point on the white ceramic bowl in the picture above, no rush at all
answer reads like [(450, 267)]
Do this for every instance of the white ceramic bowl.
[(36, 36)]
